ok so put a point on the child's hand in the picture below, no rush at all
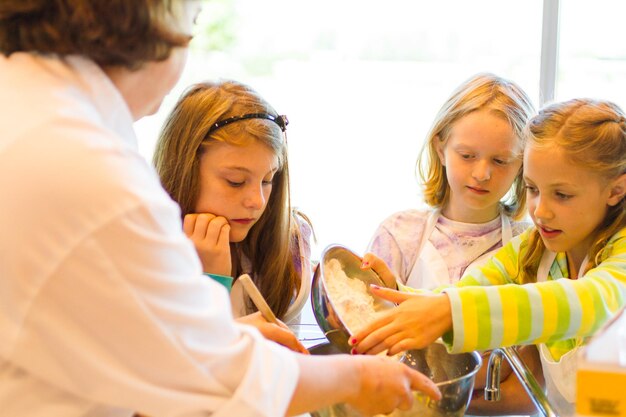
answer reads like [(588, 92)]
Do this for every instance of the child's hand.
[(210, 235), (380, 267), (278, 333), (419, 320)]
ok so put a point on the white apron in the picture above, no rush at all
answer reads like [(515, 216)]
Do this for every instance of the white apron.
[(237, 293), (560, 375), (430, 270)]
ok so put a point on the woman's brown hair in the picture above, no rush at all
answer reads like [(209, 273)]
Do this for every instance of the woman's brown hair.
[(593, 133), (271, 242), (109, 32)]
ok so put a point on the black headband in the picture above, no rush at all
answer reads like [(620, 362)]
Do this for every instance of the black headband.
[(280, 120)]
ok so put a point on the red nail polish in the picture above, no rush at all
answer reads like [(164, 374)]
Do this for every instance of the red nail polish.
[(353, 341), (353, 351), (376, 287)]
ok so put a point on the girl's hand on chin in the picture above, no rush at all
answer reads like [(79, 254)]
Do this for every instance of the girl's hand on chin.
[(418, 321), (210, 235)]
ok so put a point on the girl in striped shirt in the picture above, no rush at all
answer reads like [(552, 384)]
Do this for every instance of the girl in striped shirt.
[(555, 284)]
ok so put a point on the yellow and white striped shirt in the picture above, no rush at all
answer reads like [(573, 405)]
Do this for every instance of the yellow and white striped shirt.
[(490, 308)]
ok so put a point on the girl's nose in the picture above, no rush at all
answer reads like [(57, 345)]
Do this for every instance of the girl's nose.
[(481, 171), (255, 198), (541, 209)]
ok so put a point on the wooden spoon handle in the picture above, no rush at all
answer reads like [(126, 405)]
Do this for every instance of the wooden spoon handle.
[(257, 298)]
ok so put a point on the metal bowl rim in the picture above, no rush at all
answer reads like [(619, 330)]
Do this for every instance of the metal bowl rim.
[(473, 372), (323, 280)]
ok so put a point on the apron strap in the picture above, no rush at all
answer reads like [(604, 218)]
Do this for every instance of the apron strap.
[(431, 222), (547, 259), (507, 232), (545, 264)]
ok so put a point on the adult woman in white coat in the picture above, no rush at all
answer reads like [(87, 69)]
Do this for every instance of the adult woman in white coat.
[(103, 309)]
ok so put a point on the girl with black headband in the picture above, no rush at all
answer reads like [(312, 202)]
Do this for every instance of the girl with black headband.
[(222, 156)]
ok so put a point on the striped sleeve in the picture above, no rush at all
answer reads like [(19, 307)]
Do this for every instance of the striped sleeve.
[(490, 309)]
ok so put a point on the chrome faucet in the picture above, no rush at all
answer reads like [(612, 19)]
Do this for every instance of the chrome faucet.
[(530, 384)]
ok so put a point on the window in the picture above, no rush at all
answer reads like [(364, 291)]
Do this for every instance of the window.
[(592, 50), (361, 81)]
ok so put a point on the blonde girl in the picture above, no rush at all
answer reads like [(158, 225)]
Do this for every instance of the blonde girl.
[(222, 155), (471, 166), (553, 285)]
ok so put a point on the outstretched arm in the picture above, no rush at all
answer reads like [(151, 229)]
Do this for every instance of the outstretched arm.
[(419, 320), (371, 384)]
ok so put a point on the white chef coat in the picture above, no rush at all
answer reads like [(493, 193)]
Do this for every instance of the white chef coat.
[(103, 307)]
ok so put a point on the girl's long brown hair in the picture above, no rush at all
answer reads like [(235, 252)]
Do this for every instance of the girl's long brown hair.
[(593, 133), (271, 243)]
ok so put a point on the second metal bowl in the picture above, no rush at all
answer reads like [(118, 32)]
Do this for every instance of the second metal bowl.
[(454, 375)]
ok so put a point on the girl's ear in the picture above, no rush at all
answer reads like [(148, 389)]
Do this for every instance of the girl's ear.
[(439, 148), (617, 191)]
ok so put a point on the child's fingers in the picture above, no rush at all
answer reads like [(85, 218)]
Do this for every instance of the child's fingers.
[(200, 229), (214, 229), (195, 225), (189, 223), (402, 346), (372, 334), (223, 240), (381, 268), (390, 295), (284, 337)]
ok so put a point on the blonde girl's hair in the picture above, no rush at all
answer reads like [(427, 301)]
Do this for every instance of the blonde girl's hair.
[(504, 99), (271, 242), (593, 135)]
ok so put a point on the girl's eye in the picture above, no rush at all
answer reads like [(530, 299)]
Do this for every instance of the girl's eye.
[(466, 156), (530, 189), (268, 182), (501, 161), (234, 184), (562, 196)]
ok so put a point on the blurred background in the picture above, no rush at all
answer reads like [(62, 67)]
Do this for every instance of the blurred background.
[(361, 82)]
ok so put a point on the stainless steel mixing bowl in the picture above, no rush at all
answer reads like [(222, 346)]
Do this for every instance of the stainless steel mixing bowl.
[(453, 374), (325, 312)]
